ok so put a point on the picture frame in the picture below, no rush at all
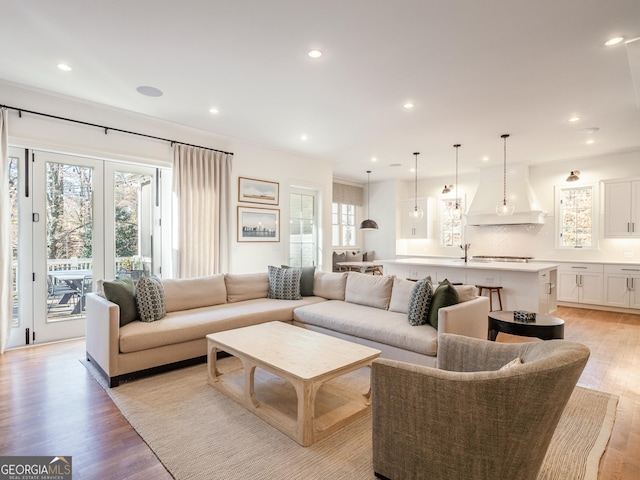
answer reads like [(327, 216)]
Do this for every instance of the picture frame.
[(258, 224), (251, 190)]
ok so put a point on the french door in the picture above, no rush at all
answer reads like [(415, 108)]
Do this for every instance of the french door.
[(78, 219)]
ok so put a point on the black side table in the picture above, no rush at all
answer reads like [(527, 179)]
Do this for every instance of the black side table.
[(545, 327)]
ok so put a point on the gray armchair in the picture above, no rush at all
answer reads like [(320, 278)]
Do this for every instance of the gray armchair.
[(468, 419)]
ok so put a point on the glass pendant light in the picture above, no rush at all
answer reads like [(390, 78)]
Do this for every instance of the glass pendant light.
[(416, 212), (456, 212), (368, 224), (504, 208)]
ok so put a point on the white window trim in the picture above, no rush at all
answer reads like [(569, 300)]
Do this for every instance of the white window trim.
[(595, 215)]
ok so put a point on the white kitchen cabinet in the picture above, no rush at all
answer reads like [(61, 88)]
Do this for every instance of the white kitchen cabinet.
[(547, 291), (622, 286), (580, 283), (622, 209), (411, 228)]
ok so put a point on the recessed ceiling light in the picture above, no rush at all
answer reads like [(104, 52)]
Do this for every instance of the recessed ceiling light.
[(408, 105), (214, 110), (485, 158), (613, 41), (589, 130), (395, 164), (149, 91), (374, 159), (590, 141), (315, 53), (575, 118), (304, 137), (64, 67)]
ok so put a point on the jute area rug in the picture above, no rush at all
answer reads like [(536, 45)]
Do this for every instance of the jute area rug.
[(198, 433)]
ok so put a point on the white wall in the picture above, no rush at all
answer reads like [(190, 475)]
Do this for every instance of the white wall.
[(538, 241), (249, 160)]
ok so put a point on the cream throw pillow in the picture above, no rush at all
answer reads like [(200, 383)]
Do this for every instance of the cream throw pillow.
[(400, 295), (368, 290)]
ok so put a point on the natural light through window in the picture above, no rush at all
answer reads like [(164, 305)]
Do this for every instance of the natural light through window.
[(576, 217), (343, 225)]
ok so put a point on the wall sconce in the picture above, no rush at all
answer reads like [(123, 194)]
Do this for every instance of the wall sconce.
[(574, 176)]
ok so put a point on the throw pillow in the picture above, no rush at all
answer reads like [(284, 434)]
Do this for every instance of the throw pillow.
[(284, 283), (444, 296), (419, 302), (513, 363), (123, 293), (306, 280), (151, 299), (338, 257)]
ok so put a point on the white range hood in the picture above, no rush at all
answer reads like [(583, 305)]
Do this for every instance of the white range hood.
[(482, 210)]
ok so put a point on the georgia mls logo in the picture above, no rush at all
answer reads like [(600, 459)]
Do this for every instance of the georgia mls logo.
[(35, 468)]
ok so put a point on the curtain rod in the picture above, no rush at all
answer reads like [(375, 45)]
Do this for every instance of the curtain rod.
[(106, 129)]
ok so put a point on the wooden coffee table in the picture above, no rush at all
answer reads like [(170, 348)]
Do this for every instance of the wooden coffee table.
[(305, 359)]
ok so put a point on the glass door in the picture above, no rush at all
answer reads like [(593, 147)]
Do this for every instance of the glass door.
[(76, 220), (67, 226), (302, 228)]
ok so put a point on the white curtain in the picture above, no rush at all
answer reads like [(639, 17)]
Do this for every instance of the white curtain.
[(6, 255), (201, 187)]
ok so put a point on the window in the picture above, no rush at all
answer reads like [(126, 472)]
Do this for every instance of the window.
[(343, 225), (576, 225), (450, 226), (302, 230)]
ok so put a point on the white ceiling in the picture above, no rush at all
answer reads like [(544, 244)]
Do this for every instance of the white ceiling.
[(475, 69)]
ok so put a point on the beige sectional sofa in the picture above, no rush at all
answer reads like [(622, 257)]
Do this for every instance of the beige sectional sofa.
[(362, 308)]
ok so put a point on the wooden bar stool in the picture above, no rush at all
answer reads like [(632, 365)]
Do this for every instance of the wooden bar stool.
[(492, 289)]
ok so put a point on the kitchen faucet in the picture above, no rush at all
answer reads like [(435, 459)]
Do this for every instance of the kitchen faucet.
[(466, 248)]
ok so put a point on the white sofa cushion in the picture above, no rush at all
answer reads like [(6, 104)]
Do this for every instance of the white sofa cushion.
[(246, 286), (187, 325), (329, 285), (383, 326), (187, 293), (400, 295), (369, 290)]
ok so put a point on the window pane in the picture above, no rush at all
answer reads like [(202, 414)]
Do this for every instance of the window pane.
[(13, 199), (576, 216), (348, 236)]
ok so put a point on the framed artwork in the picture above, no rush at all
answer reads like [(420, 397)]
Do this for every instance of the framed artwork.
[(258, 224), (251, 190)]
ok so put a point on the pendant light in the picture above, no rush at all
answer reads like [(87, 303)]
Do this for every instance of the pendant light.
[(416, 212), (447, 189), (574, 176), (456, 213), (368, 224), (504, 208)]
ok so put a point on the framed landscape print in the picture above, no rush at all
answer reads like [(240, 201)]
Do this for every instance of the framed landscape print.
[(258, 224), (251, 190)]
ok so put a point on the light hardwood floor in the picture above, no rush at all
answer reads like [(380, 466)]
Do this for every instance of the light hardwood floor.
[(51, 405)]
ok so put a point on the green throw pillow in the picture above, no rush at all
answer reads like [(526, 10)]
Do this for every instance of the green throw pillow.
[(419, 301), (123, 293), (444, 296), (306, 280)]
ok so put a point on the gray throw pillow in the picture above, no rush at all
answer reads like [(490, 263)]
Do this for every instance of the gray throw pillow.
[(284, 283), (444, 296), (123, 293), (306, 280), (419, 302), (150, 299)]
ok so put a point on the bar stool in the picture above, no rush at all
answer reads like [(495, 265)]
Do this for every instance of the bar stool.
[(492, 289)]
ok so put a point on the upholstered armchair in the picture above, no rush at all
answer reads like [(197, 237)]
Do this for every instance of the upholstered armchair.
[(468, 418)]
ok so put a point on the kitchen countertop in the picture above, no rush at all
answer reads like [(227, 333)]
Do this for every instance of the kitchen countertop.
[(532, 267)]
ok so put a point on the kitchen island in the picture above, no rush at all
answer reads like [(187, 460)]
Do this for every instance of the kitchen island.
[(525, 286)]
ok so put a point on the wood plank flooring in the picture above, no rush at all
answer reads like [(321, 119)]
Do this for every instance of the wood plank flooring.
[(51, 405)]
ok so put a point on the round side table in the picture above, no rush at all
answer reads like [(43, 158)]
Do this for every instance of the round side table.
[(545, 327)]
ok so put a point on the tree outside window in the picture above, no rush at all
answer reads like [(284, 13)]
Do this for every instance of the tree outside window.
[(576, 217)]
